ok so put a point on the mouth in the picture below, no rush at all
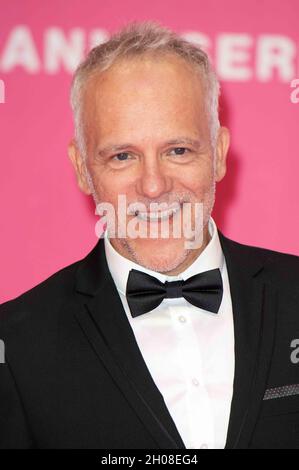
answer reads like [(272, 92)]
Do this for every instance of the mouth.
[(156, 216)]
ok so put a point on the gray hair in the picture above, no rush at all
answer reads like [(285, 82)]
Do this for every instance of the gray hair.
[(137, 39)]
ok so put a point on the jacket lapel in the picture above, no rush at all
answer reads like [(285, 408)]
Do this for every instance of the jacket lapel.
[(105, 324), (254, 311)]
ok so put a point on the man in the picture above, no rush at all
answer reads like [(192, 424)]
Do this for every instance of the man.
[(151, 341)]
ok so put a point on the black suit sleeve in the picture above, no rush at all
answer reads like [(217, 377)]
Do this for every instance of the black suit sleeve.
[(14, 432)]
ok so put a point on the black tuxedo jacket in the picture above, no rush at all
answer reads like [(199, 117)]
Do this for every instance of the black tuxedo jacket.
[(74, 376)]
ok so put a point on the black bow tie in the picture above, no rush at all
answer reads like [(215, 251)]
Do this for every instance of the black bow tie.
[(145, 292)]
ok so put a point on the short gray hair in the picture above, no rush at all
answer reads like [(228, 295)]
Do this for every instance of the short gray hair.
[(137, 39)]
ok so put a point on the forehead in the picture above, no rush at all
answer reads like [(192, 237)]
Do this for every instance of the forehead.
[(147, 77), (143, 95)]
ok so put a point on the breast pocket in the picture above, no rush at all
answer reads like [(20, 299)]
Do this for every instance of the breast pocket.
[(278, 424), (280, 405)]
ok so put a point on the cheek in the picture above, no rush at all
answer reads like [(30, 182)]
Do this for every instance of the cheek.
[(114, 189), (199, 180)]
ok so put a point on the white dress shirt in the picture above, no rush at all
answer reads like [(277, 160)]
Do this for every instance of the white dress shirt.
[(189, 352)]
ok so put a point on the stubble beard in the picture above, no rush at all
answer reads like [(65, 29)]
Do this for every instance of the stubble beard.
[(161, 264)]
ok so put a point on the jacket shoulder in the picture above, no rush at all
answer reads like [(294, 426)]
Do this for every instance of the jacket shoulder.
[(44, 299), (283, 265)]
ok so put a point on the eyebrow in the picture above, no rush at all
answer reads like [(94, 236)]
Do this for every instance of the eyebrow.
[(178, 141)]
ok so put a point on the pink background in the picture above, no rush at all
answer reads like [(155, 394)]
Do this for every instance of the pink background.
[(46, 223)]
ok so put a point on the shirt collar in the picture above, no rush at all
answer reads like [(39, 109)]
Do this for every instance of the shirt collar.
[(210, 258)]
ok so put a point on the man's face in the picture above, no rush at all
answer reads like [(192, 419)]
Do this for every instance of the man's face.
[(147, 137)]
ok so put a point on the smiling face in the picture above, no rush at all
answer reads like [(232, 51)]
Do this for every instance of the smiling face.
[(147, 137)]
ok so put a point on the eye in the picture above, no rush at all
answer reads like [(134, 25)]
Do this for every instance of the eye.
[(180, 150), (120, 156)]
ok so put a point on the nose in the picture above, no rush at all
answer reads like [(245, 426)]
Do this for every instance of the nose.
[(153, 180)]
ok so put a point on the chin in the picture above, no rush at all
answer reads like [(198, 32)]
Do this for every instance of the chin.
[(158, 254), (162, 245)]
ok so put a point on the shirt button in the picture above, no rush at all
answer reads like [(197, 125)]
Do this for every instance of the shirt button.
[(182, 319), (195, 382), (204, 446)]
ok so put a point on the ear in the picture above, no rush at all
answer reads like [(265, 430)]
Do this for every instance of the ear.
[(79, 166), (222, 147)]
